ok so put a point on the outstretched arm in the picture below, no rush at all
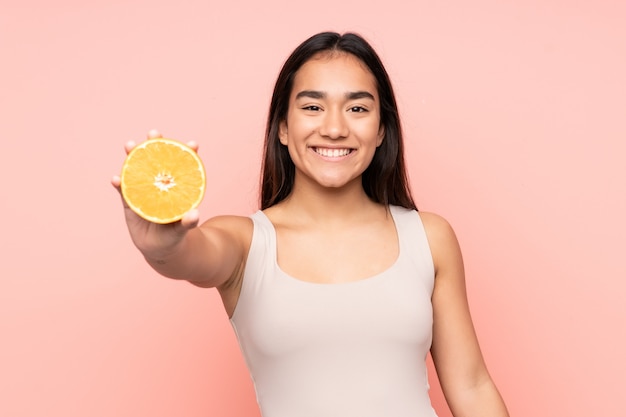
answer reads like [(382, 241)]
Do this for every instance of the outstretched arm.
[(209, 255), (465, 381)]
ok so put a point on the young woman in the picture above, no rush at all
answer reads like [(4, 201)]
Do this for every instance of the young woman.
[(337, 288)]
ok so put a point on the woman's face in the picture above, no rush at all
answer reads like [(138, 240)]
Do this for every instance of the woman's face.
[(333, 122)]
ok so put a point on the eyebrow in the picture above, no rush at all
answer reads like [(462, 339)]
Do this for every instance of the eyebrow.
[(351, 95)]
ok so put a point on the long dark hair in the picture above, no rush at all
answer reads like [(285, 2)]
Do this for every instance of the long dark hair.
[(385, 180)]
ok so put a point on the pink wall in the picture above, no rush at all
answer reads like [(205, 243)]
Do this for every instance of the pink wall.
[(515, 118)]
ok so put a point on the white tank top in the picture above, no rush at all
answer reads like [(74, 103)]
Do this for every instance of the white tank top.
[(354, 349)]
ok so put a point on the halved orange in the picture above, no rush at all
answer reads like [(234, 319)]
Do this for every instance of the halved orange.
[(162, 179)]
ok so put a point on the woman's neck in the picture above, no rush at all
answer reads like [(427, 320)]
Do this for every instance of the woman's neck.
[(314, 203)]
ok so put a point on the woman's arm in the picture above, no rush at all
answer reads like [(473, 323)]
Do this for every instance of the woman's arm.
[(211, 255), (465, 381)]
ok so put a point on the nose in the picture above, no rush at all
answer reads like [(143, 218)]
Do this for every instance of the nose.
[(334, 124)]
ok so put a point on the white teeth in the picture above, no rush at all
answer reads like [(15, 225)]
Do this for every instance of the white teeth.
[(332, 153)]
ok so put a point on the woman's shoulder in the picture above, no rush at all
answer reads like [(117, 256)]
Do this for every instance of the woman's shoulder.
[(228, 220), (237, 226), (434, 222), (440, 234)]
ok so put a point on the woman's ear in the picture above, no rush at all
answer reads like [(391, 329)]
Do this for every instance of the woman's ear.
[(282, 132), (381, 135)]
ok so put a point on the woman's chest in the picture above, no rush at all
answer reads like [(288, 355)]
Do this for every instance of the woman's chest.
[(290, 315), (331, 257)]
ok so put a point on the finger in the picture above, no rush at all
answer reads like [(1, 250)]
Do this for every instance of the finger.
[(129, 146), (117, 182), (190, 219), (193, 145), (154, 133)]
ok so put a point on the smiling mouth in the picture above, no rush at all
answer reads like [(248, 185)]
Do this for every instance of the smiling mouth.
[(333, 153)]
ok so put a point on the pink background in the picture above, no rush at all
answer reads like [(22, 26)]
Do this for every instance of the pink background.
[(515, 117)]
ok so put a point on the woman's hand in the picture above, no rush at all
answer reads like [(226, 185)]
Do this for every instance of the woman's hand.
[(156, 241)]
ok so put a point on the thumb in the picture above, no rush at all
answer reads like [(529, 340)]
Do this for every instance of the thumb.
[(190, 219)]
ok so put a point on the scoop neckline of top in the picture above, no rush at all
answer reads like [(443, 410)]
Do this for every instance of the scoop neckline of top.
[(375, 277)]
